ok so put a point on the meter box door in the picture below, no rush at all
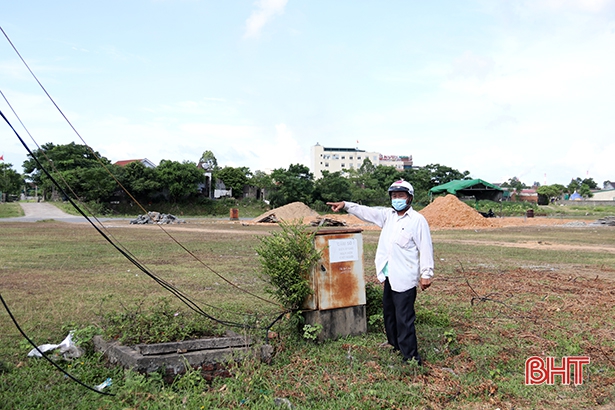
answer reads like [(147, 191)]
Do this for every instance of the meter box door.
[(337, 279)]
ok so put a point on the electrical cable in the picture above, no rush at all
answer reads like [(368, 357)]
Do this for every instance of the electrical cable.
[(100, 224), (47, 357), (120, 185), (183, 298), (120, 248), (135, 262)]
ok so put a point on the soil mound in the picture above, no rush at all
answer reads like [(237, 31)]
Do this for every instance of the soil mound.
[(449, 212), (289, 212)]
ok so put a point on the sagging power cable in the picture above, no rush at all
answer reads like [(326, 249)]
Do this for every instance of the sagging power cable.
[(118, 182), (184, 298), (123, 188), (43, 354), (107, 236)]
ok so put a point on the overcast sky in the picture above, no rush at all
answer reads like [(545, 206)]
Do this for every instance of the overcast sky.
[(500, 88)]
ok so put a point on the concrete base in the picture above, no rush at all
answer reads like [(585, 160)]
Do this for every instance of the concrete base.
[(207, 354), (348, 321)]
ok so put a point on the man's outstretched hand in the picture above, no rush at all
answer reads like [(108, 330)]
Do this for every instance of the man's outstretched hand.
[(336, 206)]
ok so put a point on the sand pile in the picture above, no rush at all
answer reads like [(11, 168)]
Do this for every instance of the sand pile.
[(289, 212), (449, 212)]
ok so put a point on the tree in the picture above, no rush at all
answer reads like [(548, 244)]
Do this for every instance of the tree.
[(11, 181), (441, 174), (386, 175), (515, 184), (262, 181), (585, 191), (582, 186), (364, 186), (179, 180), (331, 187), (140, 181), (234, 178), (547, 193), (293, 185), (574, 185), (208, 161), (591, 184), (75, 167)]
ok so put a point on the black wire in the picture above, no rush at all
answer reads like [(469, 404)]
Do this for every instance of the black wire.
[(182, 297), (45, 356), (118, 182), (126, 253)]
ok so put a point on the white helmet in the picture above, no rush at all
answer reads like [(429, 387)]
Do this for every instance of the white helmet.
[(401, 186)]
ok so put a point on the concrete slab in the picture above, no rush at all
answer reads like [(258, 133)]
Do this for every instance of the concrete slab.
[(174, 357)]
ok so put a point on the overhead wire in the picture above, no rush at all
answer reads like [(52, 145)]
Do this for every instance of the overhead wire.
[(100, 224), (122, 187), (118, 246), (185, 299), (107, 235)]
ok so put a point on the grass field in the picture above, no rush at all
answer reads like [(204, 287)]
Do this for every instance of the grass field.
[(500, 296)]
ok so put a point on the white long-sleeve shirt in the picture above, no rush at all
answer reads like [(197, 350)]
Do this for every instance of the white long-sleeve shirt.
[(404, 244)]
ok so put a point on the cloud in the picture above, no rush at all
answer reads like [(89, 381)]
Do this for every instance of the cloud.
[(582, 5), (471, 65), (501, 121), (267, 152), (266, 11)]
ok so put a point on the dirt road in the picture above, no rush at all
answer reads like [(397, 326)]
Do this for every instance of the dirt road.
[(40, 211)]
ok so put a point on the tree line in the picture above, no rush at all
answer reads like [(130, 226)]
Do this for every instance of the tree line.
[(547, 193), (89, 177)]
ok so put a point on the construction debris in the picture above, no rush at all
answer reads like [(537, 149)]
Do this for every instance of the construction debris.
[(153, 217), (324, 221), (607, 220)]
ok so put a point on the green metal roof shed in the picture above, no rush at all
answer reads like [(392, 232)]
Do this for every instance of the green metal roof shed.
[(470, 187)]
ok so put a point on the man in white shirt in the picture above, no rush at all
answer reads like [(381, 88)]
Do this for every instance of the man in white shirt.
[(404, 260)]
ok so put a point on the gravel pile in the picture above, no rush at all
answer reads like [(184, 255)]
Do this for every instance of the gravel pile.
[(157, 218)]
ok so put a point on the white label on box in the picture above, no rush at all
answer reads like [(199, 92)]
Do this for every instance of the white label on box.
[(343, 250)]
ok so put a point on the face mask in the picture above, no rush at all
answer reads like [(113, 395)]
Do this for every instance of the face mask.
[(399, 204)]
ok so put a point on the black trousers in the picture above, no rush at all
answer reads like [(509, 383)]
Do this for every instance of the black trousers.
[(399, 317)]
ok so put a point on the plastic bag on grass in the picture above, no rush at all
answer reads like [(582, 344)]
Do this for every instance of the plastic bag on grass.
[(68, 349)]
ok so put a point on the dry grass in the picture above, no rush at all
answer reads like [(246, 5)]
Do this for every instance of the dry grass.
[(503, 300)]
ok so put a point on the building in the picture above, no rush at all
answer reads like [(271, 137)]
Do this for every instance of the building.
[(146, 162), (344, 159), (526, 195), (603, 195)]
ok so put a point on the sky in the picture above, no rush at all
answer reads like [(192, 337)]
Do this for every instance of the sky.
[(499, 88)]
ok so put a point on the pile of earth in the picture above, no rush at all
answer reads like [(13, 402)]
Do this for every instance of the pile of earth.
[(445, 212), (449, 212), (288, 212)]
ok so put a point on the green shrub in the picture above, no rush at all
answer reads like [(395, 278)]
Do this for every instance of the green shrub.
[(287, 257)]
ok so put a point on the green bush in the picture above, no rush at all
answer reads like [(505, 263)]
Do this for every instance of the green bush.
[(287, 257)]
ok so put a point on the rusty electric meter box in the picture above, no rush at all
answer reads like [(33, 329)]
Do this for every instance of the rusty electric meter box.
[(337, 279)]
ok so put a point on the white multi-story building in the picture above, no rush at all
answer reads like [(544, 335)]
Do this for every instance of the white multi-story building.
[(344, 159)]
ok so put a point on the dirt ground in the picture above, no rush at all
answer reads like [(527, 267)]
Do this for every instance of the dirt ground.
[(446, 212)]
